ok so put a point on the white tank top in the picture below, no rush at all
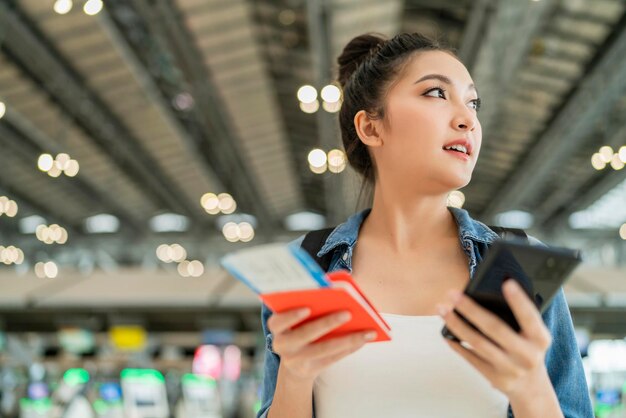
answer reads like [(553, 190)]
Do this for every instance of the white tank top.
[(415, 374)]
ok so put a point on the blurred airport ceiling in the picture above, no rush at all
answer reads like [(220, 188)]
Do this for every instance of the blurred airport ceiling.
[(131, 125)]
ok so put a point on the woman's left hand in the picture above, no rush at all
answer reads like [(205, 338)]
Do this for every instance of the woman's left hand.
[(510, 361)]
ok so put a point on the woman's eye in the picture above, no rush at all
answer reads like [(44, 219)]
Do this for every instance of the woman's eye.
[(475, 104), (436, 92)]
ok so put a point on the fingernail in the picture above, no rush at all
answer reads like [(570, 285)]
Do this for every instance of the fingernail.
[(370, 336), (442, 310), (344, 316), (304, 312), (511, 286)]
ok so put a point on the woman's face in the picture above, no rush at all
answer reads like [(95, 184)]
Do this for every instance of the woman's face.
[(431, 105)]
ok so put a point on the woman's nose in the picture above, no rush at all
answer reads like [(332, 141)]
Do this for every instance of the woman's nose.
[(464, 121)]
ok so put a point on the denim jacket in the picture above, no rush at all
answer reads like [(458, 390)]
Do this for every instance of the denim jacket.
[(563, 360)]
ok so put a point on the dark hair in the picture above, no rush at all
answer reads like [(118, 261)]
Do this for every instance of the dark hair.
[(368, 65)]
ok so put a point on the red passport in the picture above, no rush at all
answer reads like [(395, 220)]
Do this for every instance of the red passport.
[(344, 294)]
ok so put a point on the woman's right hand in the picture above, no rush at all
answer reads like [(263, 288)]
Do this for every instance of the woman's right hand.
[(300, 354)]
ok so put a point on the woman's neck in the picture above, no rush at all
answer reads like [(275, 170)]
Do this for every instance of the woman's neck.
[(404, 223)]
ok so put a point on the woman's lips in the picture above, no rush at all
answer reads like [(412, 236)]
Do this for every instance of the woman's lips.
[(461, 155)]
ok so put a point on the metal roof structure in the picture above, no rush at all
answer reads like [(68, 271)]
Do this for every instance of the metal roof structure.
[(163, 101)]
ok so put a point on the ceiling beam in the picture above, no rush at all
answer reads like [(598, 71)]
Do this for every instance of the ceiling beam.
[(594, 98), (38, 59), (558, 217), (473, 33), (28, 143), (157, 98), (208, 118), (508, 37)]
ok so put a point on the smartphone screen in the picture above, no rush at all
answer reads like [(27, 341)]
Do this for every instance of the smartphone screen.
[(539, 270)]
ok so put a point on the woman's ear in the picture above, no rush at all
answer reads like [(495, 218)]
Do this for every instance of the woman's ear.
[(369, 130)]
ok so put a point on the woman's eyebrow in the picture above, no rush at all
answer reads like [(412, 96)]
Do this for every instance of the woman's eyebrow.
[(442, 78)]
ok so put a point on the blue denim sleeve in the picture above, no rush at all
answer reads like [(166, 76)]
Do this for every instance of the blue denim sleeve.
[(564, 362), (270, 366)]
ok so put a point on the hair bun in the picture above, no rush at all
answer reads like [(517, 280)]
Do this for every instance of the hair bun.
[(355, 52)]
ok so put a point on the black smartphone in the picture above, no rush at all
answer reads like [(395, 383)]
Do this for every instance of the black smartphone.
[(539, 270)]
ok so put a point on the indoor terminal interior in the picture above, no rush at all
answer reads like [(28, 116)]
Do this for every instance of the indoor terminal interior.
[(143, 140)]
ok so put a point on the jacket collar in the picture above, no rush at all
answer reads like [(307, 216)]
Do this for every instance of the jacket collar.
[(347, 233)]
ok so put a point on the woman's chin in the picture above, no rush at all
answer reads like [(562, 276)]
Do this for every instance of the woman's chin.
[(456, 182)]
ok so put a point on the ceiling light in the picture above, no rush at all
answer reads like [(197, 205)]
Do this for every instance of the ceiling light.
[(8, 207), (72, 168), (515, 219), (29, 224), (183, 101), (51, 269), (101, 224), (163, 253), (11, 255), (62, 6), (331, 93), (332, 107), (178, 253), (318, 170), (606, 153), (287, 17), (231, 231), (456, 199), (195, 268), (209, 201), (597, 162), (93, 7), (622, 231), (45, 162), (46, 270), (616, 162), (51, 234), (169, 222), (183, 268), (336, 161), (61, 161), (307, 94), (226, 203), (310, 107), (236, 218), (54, 171), (317, 158), (622, 154), (246, 232), (242, 231), (3, 109), (607, 212), (304, 221)]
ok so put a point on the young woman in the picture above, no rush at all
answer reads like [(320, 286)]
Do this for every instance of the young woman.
[(406, 102)]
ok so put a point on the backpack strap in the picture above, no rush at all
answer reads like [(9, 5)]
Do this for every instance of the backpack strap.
[(313, 242)]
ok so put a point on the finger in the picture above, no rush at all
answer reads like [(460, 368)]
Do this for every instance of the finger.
[(307, 333), (280, 322), (520, 350), (488, 323), (527, 314), (337, 345), (481, 346)]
